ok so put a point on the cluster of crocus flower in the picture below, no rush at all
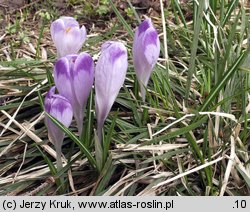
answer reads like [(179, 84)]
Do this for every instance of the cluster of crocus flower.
[(74, 78), (74, 74)]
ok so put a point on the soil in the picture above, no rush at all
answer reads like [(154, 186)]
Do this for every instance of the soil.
[(13, 4)]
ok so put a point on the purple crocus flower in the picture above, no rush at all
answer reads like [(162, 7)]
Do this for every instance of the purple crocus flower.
[(67, 36), (146, 50), (60, 108), (74, 78), (110, 74)]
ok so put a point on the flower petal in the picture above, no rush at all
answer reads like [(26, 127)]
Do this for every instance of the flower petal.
[(57, 27), (83, 77), (151, 48), (72, 41), (74, 76), (61, 109), (63, 79), (67, 36), (69, 21), (144, 26), (146, 50), (109, 77), (48, 99)]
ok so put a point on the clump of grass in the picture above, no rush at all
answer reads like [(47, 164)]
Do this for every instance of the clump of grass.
[(191, 137)]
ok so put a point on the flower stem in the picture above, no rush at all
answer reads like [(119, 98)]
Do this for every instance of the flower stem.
[(59, 167), (143, 91), (58, 158), (99, 130), (79, 122)]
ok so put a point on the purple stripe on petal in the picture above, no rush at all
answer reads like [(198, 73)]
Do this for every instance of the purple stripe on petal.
[(62, 67), (61, 98), (115, 53), (63, 79), (61, 110), (56, 27), (115, 50), (150, 37), (151, 49), (84, 63), (144, 26), (48, 99), (60, 105)]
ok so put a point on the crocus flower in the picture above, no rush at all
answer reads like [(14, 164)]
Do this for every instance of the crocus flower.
[(146, 50), (74, 78), (110, 74), (67, 36), (60, 108)]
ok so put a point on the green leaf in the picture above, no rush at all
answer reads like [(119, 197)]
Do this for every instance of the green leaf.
[(191, 68), (244, 175), (121, 19), (106, 144), (75, 139), (231, 7), (98, 153), (217, 88)]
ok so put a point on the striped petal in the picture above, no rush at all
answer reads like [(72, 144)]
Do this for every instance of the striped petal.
[(67, 36), (110, 74), (146, 50), (60, 108)]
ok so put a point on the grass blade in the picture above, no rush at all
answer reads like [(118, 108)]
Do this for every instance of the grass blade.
[(75, 139), (214, 92)]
